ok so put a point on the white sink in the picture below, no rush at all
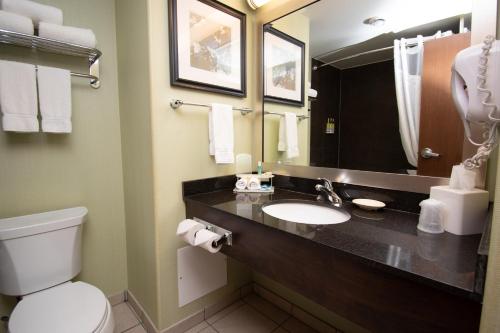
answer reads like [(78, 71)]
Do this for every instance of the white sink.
[(308, 213)]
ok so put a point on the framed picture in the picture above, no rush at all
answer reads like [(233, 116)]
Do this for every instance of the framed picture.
[(284, 68), (207, 46)]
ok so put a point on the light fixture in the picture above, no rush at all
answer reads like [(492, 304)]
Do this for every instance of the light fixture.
[(257, 3), (374, 21)]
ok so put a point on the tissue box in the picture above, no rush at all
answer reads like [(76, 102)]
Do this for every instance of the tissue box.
[(466, 210)]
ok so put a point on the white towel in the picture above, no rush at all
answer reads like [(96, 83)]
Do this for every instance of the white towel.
[(282, 135), (78, 36), (221, 133), (292, 141), (54, 88), (242, 183), (37, 12), (16, 23), (254, 184), (18, 97)]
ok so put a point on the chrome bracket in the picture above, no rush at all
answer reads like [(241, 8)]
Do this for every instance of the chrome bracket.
[(227, 236), (95, 82)]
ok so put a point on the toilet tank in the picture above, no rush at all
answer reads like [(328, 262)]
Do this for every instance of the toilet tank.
[(40, 251)]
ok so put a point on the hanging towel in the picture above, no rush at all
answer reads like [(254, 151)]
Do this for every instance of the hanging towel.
[(16, 23), (35, 11), (292, 141), (78, 36), (221, 133), (18, 97), (282, 135), (54, 87)]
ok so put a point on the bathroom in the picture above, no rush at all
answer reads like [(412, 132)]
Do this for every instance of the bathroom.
[(141, 165)]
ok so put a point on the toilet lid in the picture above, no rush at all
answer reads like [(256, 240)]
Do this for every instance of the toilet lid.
[(72, 307)]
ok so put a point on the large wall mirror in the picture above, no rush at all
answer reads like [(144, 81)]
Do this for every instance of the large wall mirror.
[(367, 84)]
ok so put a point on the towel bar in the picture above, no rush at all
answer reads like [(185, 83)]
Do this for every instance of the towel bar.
[(300, 118), (177, 103)]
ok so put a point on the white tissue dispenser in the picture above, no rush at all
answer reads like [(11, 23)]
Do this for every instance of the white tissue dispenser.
[(466, 210)]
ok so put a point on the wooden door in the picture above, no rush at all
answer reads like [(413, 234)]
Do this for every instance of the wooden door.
[(440, 126)]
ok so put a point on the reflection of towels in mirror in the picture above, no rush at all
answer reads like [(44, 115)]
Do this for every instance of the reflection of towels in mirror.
[(288, 135)]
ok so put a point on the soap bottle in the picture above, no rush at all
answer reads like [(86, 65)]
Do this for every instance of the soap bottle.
[(259, 167)]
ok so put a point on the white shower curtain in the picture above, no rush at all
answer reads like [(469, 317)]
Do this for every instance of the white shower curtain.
[(408, 63)]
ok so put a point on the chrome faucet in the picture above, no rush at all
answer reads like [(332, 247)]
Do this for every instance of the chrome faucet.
[(327, 192)]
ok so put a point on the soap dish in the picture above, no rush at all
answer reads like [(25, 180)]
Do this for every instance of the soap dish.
[(368, 204)]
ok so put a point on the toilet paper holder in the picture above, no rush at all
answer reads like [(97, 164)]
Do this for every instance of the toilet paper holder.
[(227, 236)]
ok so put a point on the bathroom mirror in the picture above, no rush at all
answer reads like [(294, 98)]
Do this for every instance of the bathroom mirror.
[(369, 85)]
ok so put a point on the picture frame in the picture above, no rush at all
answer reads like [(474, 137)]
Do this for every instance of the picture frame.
[(284, 68), (207, 46)]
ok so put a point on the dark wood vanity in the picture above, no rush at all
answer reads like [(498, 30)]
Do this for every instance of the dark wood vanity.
[(375, 270)]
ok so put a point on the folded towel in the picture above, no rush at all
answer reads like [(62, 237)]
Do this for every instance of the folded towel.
[(254, 184), (312, 93), (221, 133), (282, 135), (292, 141), (78, 36), (54, 88), (241, 184), (16, 23), (18, 97), (35, 11)]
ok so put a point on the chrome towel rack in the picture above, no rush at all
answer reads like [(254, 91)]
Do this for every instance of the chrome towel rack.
[(57, 47), (300, 118), (177, 103)]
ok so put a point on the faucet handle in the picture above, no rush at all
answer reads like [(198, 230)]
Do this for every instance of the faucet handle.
[(327, 183)]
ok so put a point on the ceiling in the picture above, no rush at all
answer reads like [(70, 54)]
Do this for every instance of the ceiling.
[(337, 24)]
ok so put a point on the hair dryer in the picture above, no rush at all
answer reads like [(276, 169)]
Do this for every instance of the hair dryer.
[(475, 87)]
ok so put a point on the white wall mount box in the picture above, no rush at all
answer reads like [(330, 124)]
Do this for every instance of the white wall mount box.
[(199, 272)]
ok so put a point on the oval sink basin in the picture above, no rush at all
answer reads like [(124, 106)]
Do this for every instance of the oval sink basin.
[(308, 213)]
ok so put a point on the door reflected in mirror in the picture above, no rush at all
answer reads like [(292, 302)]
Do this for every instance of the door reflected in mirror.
[(376, 91)]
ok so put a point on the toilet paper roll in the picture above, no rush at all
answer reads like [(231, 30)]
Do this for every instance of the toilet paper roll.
[(187, 230), (205, 239)]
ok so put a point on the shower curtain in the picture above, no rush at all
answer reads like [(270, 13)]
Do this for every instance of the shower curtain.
[(408, 63)]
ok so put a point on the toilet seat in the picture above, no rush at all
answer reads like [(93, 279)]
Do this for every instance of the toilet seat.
[(71, 307)]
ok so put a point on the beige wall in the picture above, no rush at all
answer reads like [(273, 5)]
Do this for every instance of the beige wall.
[(180, 150), (135, 111), (40, 172), (297, 26), (490, 320), (161, 148)]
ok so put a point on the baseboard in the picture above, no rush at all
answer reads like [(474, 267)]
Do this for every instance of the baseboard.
[(117, 298), (205, 313), (194, 319)]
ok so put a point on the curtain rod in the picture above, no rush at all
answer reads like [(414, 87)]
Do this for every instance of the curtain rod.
[(353, 56), (370, 51)]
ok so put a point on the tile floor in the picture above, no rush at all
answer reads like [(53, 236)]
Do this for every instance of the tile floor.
[(251, 314)]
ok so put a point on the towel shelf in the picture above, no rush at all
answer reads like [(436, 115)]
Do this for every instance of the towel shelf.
[(53, 46), (300, 118), (177, 103)]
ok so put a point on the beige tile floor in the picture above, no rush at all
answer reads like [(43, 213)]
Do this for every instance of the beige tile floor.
[(252, 314)]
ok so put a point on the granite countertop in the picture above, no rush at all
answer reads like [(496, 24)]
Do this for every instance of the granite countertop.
[(388, 238)]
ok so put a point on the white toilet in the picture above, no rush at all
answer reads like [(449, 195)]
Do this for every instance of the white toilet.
[(39, 255)]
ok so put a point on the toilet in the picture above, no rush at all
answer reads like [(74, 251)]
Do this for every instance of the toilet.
[(39, 255)]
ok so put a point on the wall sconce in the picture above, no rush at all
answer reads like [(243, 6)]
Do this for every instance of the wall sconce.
[(257, 3)]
